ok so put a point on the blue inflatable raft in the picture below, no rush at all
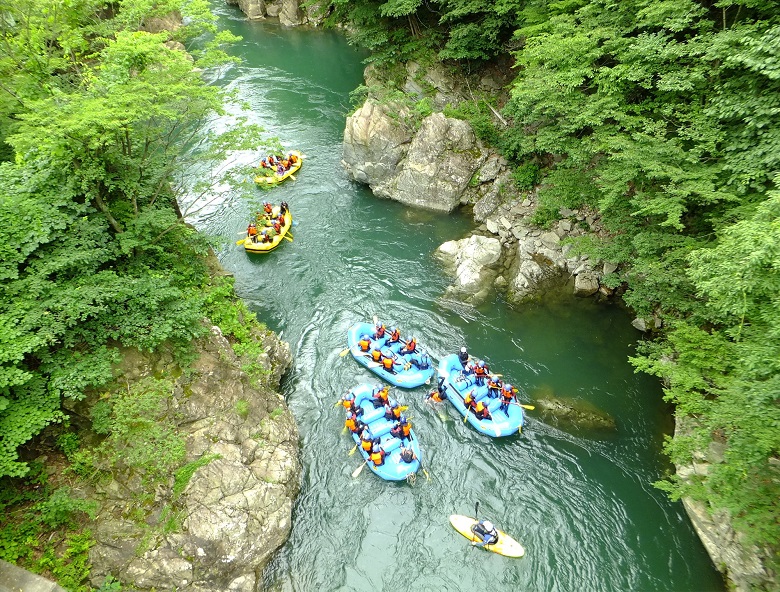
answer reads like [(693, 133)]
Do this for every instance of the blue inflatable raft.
[(393, 469), (410, 370), (458, 384)]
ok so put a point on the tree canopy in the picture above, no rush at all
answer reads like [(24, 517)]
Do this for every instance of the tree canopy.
[(98, 114)]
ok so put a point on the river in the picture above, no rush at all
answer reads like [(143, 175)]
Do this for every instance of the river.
[(583, 505)]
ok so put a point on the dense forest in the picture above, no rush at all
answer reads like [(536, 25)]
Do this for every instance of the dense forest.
[(664, 116), (99, 107)]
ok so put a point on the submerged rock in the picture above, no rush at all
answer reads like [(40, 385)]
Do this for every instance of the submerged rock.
[(573, 414)]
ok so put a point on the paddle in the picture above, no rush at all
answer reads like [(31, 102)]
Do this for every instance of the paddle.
[(292, 176), (529, 407), (476, 517), (288, 237), (357, 471), (354, 448), (241, 242)]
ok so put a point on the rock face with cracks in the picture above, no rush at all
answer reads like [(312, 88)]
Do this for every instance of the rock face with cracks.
[(220, 530)]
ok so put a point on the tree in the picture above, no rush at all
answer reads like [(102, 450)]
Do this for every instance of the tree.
[(96, 255)]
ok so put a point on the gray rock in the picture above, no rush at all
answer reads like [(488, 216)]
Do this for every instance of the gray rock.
[(571, 414), (586, 284), (236, 510), (473, 263)]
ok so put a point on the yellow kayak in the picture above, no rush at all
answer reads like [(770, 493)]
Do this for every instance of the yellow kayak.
[(506, 545)]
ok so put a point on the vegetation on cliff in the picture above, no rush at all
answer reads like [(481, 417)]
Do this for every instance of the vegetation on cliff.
[(664, 117), (98, 120)]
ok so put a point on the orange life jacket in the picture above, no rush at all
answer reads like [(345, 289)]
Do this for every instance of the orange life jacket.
[(364, 344), (480, 371), (377, 458), (252, 230), (377, 355), (366, 445), (347, 403), (388, 363), (268, 208), (350, 423), (468, 400), (395, 335), (411, 345), (382, 395), (406, 428), (436, 396), (380, 331)]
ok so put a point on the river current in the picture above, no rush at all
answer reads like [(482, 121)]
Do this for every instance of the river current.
[(583, 505)]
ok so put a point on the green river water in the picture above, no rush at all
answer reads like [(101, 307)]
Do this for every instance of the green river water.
[(583, 505)]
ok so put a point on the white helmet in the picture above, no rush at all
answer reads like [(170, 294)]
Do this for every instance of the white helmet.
[(463, 350), (488, 525)]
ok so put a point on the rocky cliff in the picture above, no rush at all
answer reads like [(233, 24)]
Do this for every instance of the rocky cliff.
[(215, 526)]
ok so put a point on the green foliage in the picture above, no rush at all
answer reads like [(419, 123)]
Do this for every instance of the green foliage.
[(101, 417), (479, 116), (184, 473), (60, 508), (92, 253), (143, 431), (242, 408), (41, 532), (69, 443), (526, 176)]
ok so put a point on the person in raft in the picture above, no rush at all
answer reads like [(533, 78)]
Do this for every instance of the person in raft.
[(408, 455), (481, 411), (485, 530), (365, 343), (508, 392), (410, 347), (379, 333), (251, 231), (393, 411), (381, 397), (353, 423), (463, 356), (377, 455), (388, 361), (395, 336)]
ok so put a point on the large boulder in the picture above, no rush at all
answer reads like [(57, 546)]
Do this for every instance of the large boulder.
[(220, 528), (429, 168), (374, 144), (473, 263), (442, 157)]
